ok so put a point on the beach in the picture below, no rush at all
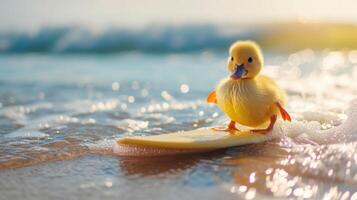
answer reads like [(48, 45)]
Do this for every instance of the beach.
[(60, 114)]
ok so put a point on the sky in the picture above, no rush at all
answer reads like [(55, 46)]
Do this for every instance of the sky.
[(34, 14)]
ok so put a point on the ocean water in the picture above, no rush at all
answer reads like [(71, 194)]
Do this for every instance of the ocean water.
[(60, 115), (151, 39)]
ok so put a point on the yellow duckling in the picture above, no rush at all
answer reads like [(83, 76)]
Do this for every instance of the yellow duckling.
[(247, 97)]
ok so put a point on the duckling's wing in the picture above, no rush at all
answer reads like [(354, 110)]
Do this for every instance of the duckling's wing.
[(212, 97)]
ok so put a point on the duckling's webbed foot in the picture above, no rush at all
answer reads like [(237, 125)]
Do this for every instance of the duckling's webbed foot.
[(231, 127), (269, 128), (284, 114)]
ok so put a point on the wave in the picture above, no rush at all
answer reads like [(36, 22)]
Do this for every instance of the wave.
[(155, 39)]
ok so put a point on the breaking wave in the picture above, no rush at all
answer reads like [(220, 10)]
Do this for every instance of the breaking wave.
[(155, 39)]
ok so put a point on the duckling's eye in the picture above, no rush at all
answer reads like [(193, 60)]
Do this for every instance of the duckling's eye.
[(232, 58), (250, 60)]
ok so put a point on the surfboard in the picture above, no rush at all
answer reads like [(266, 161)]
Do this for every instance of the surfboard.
[(184, 142)]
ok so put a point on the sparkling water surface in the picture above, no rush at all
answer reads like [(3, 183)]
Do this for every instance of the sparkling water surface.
[(60, 114)]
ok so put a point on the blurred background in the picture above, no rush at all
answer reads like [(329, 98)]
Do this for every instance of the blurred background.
[(75, 75), (171, 26)]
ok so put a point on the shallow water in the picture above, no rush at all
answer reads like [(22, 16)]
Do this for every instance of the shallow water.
[(59, 115)]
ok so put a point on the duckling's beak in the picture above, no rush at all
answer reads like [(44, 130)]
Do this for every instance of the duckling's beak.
[(239, 72)]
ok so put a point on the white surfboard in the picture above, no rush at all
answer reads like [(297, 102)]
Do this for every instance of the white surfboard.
[(199, 140)]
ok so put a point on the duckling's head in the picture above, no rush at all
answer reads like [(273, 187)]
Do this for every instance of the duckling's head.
[(245, 60)]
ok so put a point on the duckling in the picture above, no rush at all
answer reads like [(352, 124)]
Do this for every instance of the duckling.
[(247, 97)]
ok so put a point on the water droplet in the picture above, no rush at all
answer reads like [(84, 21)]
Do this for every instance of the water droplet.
[(115, 86), (108, 184), (124, 106), (298, 192), (184, 88), (252, 177), (269, 171), (201, 113), (330, 172), (242, 188), (214, 115), (131, 99), (250, 194), (165, 95)]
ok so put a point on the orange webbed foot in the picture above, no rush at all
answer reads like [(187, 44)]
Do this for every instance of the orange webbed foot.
[(231, 127), (284, 114), (269, 128)]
